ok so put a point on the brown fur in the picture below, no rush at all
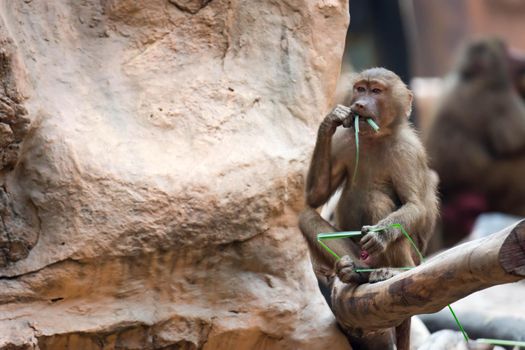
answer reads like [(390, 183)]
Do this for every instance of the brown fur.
[(477, 140), (393, 183)]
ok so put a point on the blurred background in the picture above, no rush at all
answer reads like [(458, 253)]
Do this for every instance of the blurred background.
[(465, 62), (421, 38)]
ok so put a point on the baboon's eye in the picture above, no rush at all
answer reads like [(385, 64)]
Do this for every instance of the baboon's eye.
[(360, 88), (376, 91)]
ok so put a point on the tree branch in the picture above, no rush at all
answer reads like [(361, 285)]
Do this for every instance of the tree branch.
[(452, 275)]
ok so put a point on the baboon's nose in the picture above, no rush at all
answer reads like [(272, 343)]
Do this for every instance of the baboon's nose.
[(358, 106)]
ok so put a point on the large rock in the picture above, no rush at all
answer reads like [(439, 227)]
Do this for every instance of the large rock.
[(165, 165)]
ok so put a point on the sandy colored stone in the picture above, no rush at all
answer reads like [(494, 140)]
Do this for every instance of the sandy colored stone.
[(164, 167)]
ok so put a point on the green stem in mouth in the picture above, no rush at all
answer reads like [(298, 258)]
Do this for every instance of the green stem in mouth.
[(356, 128), (373, 124)]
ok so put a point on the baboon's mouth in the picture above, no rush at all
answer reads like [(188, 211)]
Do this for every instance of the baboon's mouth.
[(367, 120), (363, 118)]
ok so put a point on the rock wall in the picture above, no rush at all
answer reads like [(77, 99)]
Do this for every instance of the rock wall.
[(163, 171)]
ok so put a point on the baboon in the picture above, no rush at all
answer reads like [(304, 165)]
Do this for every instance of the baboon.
[(476, 142), (392, 184)]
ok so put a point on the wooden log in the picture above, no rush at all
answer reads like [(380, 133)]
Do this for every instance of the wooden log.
[(452, 275)]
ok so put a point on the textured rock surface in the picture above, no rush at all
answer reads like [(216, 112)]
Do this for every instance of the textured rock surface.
[(18, 223), (164, 168)]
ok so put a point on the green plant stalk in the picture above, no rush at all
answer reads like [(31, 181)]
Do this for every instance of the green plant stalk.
[(465, 335), (356, 129), (373, 124), (335, 235), (397, 268), (521, 344)]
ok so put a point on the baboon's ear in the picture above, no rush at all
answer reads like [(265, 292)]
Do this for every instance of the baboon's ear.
[(410, 97)]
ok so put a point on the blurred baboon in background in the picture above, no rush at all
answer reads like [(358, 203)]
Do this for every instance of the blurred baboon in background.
[(477, 140)]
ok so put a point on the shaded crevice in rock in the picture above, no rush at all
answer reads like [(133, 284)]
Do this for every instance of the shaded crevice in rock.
[(16, 235), (175, 333), (31, 273), (5, 241), (191, 6), (13, 120)]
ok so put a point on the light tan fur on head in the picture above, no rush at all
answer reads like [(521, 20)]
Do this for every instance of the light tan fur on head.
[(399, 89)]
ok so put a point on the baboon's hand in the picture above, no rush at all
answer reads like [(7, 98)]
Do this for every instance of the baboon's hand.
[(340, 115), (374, 242), (345, 270)]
